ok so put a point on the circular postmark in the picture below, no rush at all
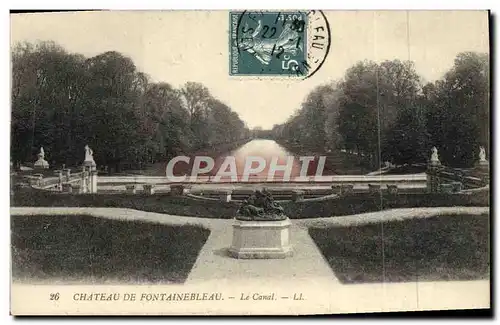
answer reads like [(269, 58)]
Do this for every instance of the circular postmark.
[(284, 43)]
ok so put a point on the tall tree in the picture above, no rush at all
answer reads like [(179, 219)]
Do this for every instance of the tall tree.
[(64, 101), (459, 113), (358, 111)]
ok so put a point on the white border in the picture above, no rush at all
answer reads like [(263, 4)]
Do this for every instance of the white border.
[(177, 5), (254, 4)]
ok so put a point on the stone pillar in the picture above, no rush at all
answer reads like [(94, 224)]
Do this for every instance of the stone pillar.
[(149, 189), (67, 173), (77, 188), (456, 187), (93, 180), (39, 179), (392, 189), (131, 188), (297, 195), (59, 175), (225, 195), (374, 188), (483, 167), (336, 189), (84, 183), (433, 172), (67, 188), (177, 190), (433, 178), (12, 174), (445, 188), (90, 172), (347, 189)]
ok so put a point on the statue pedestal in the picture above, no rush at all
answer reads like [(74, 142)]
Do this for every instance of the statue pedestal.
[(261, 239), (41, 164), (89, 163), (483, 164), (483, 171), (433, 180), (483, 167)]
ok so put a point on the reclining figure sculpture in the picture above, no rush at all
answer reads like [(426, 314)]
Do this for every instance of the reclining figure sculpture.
[(260, 206)]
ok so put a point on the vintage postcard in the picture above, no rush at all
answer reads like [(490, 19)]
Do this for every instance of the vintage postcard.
[(249, 162)]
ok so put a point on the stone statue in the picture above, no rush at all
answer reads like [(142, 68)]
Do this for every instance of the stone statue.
[(434, 156), (88, 153), (260, 206), (89, 158), (41, 162), (482, 154)]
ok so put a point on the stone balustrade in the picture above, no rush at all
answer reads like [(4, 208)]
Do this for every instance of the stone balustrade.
[(149, 189), (67, 173), (131, 188), (67, 188), (445, 188), (456, 186), (297, 195), (392, 189), (374, 188), (225, 195), (177, 190), (347, 189), (343, 189)]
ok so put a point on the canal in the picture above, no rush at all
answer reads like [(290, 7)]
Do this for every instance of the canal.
[(336, 163), (269, 152)]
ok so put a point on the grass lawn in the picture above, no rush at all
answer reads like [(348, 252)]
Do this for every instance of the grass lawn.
[(428, 249), (84, 248)]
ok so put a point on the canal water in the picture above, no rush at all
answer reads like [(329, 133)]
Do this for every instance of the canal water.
[(266, 150)]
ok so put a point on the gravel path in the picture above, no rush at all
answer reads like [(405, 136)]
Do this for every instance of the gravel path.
[(220, 224), (389, 215), (213, 263), (122, 214)]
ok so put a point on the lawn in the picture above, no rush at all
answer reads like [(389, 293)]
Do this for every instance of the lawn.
[(427, 249), (85, 248)]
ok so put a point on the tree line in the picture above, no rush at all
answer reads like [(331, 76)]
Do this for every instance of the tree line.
[(63, 101), (385, 112)]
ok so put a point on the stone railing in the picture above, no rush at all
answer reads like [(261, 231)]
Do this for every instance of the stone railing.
[(451, 180)]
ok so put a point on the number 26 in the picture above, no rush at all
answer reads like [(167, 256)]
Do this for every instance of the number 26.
[(54, 296)]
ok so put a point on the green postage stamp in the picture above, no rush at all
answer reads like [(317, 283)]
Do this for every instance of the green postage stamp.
[(272, 43), (278, 43)]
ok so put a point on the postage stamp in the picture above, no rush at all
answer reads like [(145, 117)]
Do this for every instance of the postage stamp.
[(277, 43), (335, 168)]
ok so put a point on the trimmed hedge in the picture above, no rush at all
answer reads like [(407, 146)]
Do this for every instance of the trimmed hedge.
[(160, 203), (362, 203), (189, 206)]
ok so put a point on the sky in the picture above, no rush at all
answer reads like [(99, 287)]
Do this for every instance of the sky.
[(181, 46)]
